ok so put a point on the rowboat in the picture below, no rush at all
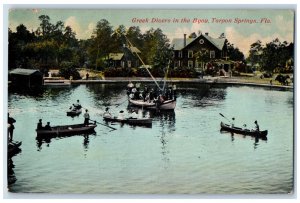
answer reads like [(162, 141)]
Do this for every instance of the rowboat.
[(165, 105), (66, 130), (74, 112), (130, 120), (243, 131)]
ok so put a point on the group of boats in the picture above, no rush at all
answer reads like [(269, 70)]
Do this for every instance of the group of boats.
[(162, 98)]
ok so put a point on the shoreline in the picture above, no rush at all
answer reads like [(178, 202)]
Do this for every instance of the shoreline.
[(206, 80)]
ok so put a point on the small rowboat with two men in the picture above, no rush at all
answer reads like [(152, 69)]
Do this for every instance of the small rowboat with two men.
[(243, 131), (66, 130), (74, 112), (130, 120)]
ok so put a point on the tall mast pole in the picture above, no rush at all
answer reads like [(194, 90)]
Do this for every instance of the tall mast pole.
[(144, 64)]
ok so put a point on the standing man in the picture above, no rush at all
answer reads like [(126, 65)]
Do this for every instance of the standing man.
[(11, 127), (86, 116), (256, 126), (232, 122)]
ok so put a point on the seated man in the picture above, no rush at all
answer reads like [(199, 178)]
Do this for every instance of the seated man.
[(48, 127)]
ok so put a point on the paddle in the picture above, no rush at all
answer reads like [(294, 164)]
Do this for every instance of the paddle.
[(225, 117), (104, 124)]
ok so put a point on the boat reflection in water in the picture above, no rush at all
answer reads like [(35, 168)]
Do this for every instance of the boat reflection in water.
[(40, 141), (255, 138), (13, 149)]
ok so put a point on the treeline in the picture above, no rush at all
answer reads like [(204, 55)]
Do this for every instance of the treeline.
[(275, 56), (56, 46)]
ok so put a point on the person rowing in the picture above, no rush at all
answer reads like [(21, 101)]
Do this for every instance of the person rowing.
[(107, 114), (77, 105)]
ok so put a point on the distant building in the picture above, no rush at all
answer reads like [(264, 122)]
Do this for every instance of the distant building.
[(189, 51), (26, 78), (126, 59)]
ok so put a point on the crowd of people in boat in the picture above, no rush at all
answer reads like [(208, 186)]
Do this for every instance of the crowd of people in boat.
[(255, 128), (135, 92)]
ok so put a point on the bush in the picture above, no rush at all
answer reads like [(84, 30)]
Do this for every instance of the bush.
[(68, 69), (118, 72), (183, 72)]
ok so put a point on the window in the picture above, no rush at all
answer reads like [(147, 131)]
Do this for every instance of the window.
[(196, 64), (180, 54), (122, 64), (190, 54), (179, 64), (212, 54), (129, 64), (201, 41), (190, 64)]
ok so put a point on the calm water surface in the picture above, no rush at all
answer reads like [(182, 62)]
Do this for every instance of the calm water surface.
[(183, 153)]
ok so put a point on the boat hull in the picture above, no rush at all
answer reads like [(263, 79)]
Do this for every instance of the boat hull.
[(74, 113), (66, 130), (228, 128), (166, 105), (130, 121), (13, 148)]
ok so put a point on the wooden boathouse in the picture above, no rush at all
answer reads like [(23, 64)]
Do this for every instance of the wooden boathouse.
[(26, 78)]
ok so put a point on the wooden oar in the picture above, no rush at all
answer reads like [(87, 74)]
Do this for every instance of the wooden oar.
[(225, 117), (104, 124)]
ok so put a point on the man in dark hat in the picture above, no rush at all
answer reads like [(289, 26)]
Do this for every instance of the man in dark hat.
[(11, 127), (256, 126), (232, 122), (86, 116), (121, 115), (39, 125), (107, 114), (48, 127)]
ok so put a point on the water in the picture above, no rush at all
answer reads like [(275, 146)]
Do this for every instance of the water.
[(183, 153)]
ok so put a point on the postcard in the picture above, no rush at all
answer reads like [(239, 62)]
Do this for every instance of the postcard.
[(151, 101)]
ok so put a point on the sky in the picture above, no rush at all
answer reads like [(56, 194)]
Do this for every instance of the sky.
[(242, 27)]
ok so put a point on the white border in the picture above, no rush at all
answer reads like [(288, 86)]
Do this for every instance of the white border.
[(154, 4)]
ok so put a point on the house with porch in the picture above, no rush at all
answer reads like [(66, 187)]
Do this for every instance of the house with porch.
[(200, 51), (127, 58)]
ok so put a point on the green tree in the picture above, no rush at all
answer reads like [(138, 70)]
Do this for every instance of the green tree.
[(17, 53), (234, 53), (255, 53), (157, 48), (275, 55), (101, 43)]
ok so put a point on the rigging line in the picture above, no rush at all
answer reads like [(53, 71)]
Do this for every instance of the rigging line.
[(143, 63), (166, 75)]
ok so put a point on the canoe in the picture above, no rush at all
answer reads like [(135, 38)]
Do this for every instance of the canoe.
[(74, 112), (66, 130), (13, 148), (166, 105), (243, 131), (130, 121)]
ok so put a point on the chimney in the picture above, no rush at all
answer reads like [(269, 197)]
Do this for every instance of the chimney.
[(206, 33), (184, 40)]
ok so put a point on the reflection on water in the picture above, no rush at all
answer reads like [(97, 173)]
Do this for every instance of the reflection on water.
[(234, 136), (183, 152), (40, 141)]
